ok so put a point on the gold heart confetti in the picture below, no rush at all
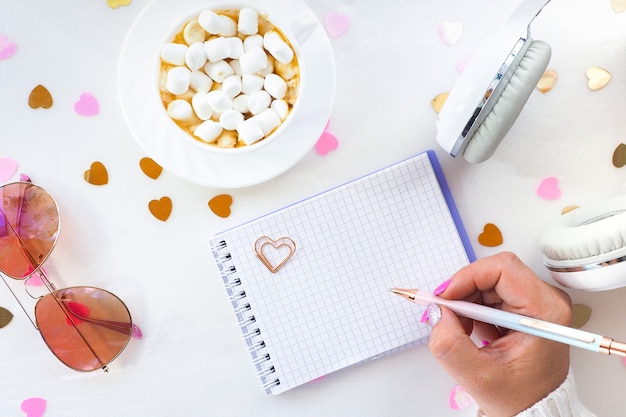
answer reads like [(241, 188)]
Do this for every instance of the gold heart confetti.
[(439, 101), (114, 4), (5, 317), (161, 209), (278, 256), (580, 315), (150, 168), (220, 205), (40, 97), (568, 209), (618, 6), (97, 174), (619, 156), (597, 78), (491, 236), (547, 81)]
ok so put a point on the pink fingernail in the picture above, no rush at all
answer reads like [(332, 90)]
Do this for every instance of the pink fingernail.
[(442, 287)]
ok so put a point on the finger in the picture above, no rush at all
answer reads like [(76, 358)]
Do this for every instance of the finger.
[(486, 333), (491, 297), (486, 274), (451, 346), (505, 277)]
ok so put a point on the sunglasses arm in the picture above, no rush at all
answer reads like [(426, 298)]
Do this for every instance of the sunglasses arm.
[(19, 302)]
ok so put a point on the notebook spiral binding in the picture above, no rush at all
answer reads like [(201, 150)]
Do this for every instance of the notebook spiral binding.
[(244, 312)]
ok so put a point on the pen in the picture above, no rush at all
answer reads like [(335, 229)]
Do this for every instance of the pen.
[(536, 327)]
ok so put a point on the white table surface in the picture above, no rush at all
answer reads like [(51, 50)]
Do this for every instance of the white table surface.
[(390, 63)]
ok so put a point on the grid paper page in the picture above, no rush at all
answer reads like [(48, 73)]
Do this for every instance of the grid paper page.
[(329, 306)]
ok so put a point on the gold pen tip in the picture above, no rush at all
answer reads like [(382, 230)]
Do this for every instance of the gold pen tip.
[(405, 293)]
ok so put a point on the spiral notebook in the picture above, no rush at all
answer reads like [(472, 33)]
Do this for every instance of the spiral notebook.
[(309, 283)]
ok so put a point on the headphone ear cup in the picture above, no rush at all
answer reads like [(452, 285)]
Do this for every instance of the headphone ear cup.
[(510, 103), (586, 248)]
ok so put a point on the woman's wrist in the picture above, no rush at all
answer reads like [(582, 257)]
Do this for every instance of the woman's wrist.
[(562, 402)]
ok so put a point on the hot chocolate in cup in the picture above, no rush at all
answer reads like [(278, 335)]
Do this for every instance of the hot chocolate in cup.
[(229, 77)]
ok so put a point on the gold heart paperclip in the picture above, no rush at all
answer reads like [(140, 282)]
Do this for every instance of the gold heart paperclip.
[(264, 241)]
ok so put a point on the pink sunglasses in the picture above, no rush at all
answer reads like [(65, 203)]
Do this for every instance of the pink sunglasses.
[(86, 328)]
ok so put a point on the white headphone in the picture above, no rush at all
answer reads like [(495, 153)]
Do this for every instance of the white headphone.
[(586, 247), (494, 87)]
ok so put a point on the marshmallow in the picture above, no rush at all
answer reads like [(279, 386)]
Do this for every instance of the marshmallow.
[(219, 70), (208, 131), (200, 82), (268, 69), (248, 21), (227, 139), (281, 108), (230, 119), (201, 106), (277, 47), (253, 60), (249, 131), (217, 49), (178, 80), (180, 110), (276, 86), (240, 103), (217, 24), (219, 101), (251, 83), (193, 33), (252, 41), (259, 101), (232, 85), (195, 58), (229, 26), (234, 63), (287, 71), (268, 120), (173, 53), (236, 47)]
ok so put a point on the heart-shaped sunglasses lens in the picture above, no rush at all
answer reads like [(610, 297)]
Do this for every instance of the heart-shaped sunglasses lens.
[(85, 327), (29, 226)]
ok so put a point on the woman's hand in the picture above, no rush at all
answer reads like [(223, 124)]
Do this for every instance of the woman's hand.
[(513, 370)]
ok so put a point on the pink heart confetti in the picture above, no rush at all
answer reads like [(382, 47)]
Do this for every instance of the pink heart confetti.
[(34, 407), (549, 189), (136, 332), (78, 310), (336, 24), (326, 143), (7, 48), (459, 398), (87, 105), (462, 63), (450, 32), (25, 177), (8, 167), (318, 380), (35, 279)]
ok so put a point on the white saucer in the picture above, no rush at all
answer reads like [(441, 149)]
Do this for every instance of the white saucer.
[(169, 146)]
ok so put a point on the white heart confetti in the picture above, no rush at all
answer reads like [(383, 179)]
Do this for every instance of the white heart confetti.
[(450, 32)]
